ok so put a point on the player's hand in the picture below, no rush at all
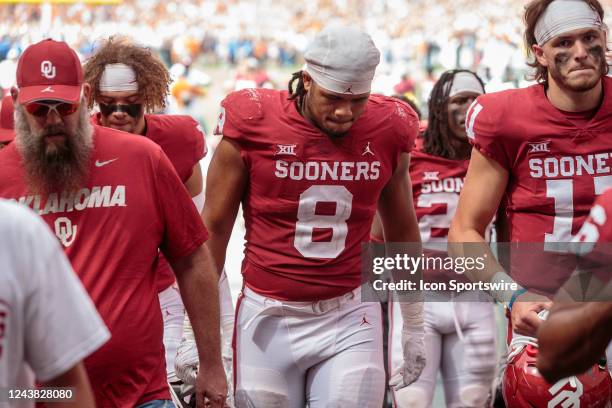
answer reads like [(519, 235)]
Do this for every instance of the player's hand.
[(524, 314), (413, 346), (211, 387)]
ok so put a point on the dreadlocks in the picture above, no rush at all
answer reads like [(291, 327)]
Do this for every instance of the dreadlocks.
[(300, 91), (152, 76), (437, 139)]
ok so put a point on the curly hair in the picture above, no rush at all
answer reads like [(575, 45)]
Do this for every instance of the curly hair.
[(437, 136), (533, 11), (151, 74)]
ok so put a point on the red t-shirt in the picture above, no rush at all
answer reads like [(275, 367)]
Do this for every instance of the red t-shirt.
[(555, 168), (183, 141), (131, 205), (310, 199)]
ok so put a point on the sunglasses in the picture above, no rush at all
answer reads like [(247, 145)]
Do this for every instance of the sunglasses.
[(132, 109), (41, 109)]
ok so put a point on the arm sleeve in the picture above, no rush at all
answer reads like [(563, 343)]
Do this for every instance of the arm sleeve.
[(239, 112), (184, 230), (61, 322), (484, 131)]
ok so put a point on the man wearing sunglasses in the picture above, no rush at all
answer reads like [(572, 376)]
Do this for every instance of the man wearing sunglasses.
[(128, 80), (113, 201)]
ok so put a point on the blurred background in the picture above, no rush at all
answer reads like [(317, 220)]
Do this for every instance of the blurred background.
[(214, 46)]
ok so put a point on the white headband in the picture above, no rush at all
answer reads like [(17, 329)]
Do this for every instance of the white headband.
[(562, 16), (118, 78), (465, 82)]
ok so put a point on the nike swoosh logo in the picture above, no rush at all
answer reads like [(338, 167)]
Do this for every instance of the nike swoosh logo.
[(104, 163)]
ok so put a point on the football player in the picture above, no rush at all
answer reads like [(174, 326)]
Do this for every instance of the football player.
[(459, 336), (543, 150), (113, 200), (128, 80), (311, 166)]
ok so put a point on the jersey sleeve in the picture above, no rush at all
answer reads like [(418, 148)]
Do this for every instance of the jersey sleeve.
[(484, 130), (184, 230), (239, 110), (198, 141), (407, 126), (62, 326)]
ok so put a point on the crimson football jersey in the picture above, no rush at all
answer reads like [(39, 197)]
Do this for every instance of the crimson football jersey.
[(311, 198), (183, 141), (595, 238), (556, 168), (131, 205), (436, 184)]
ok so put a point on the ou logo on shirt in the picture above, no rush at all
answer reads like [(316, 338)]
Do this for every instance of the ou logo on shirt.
[(65, 231), (565, 397), (47, 69)]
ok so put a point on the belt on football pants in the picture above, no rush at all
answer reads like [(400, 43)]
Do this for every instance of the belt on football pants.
[(275, 307)]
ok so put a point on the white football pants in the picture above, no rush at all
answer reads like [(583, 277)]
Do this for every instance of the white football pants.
[(460, 343), (325, 354)]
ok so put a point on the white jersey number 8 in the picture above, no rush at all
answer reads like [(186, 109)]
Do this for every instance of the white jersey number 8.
[(307, 221)]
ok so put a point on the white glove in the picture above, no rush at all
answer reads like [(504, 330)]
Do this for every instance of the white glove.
[(413, 346), (186, 360)]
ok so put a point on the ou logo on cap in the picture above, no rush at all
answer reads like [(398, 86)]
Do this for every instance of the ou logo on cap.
[(47, 69)]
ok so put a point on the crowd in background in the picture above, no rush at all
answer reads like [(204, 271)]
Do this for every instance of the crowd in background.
[(417, 38)]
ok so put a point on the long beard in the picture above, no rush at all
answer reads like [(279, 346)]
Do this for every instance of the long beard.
[(49, 167)]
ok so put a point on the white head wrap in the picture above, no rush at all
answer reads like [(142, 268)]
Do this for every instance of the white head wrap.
[(562, 16), (342, 59), (465, 82), (118, 78)]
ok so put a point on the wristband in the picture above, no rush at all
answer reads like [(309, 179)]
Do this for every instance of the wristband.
[(502, 295), (515, 295)]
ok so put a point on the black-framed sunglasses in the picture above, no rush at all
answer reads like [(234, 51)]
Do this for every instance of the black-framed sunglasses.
[(132, 109)]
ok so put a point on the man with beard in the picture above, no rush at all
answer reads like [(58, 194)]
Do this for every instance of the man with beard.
[(113, 201), (127, 80), (310, 167), (545, 151)]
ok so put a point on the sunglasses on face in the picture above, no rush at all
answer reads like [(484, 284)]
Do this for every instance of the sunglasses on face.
[(41, 108), (132, 109)]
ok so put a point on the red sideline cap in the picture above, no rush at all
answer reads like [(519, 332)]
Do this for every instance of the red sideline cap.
[(49, 70), (6, 120)]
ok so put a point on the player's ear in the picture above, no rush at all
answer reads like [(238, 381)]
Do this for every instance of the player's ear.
[(539, 54), (307, 79), (86, 93)]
